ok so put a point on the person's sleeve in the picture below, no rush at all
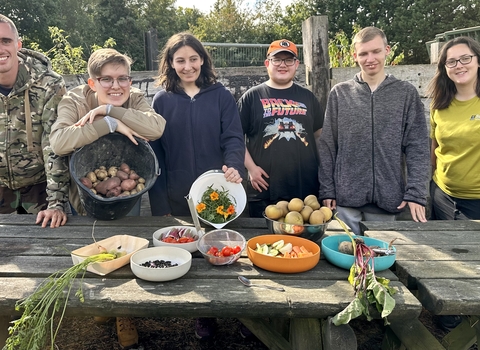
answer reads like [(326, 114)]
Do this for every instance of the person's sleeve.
[(65, 136), (416, 147), (327, 149), (231, 139), (56, 167), (140, 117)]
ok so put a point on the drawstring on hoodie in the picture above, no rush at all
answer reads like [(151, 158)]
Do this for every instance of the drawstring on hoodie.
[(28, 122)]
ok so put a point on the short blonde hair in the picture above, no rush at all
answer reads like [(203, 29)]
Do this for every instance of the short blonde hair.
[(5, 19), (101, 57), (367, 34)]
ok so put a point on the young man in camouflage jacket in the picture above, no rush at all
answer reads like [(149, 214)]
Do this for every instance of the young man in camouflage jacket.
[(32, 178)]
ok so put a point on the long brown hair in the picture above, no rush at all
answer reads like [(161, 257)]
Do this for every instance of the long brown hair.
[(441, 88), (168, 78)]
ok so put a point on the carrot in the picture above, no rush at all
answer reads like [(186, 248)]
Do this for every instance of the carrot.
[(296, 249), (304, 250), (286, 255)]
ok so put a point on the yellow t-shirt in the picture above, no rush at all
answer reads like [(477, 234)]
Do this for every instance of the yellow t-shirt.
[(457, 132)]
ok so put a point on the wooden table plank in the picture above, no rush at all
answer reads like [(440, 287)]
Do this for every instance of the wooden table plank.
[(207, 298), (410, 272), (432, 225), (31, 266), (426, 237), (450, 296)]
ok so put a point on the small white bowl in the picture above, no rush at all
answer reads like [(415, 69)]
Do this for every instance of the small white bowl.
[(175, 255), (158, 235)]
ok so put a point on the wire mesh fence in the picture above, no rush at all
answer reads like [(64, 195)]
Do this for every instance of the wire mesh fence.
[(240, 55)]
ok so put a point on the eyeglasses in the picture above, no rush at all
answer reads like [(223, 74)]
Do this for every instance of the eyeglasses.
[(107, 82), (463, 60), (278, 61)]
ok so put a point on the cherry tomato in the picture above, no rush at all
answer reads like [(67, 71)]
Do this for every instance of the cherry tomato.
[(227, 251), (236, 249)]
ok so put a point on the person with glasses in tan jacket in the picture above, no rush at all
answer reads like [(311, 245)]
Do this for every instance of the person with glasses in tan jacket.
[(106, 104)]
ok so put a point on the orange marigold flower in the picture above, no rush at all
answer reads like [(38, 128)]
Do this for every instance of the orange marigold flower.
[(220, 210), (231, 209), (200, 207), (214, 196)]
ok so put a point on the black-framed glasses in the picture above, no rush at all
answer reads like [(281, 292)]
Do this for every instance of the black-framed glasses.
[(122, 81), (278, 61), (463, 60)]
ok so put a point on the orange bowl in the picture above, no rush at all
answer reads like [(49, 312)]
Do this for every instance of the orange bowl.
[(283, 265)]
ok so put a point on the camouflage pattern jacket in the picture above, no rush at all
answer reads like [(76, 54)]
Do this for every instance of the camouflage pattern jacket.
[(26, 118)]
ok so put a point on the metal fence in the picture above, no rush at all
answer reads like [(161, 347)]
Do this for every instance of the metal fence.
[(240, 55)]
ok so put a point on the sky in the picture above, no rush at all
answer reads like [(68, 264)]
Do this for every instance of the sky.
[(206, 5)]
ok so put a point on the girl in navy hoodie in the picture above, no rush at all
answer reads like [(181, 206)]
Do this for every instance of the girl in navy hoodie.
[(203, 132), (203, 129)]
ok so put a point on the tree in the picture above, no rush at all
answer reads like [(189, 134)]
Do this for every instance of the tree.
[(117, 19), (228, 22), (32, 19)]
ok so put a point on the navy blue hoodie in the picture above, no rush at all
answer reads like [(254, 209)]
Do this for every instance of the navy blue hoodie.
[(202, 133)]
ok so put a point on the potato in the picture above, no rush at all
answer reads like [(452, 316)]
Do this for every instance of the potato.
[(124, 194), (134, 175), (122, 175), (93, 190), (140, 187), (104, 186), (112, 171), (114, 192), (124, 167), (141, 180), (134, 191), (91, 175), (86, 182), (102, 174), (128, 185)]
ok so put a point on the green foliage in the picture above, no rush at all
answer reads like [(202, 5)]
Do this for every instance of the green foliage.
[(65, 58), (340, 50)]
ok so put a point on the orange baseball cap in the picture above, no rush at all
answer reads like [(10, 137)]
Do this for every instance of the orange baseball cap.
[(282, 45)]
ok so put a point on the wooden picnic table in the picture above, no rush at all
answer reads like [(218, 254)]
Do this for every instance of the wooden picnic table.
[(31, 253), (439, 261)]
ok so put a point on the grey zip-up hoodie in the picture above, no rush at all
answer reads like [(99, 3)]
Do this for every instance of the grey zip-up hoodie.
[(366, 138)]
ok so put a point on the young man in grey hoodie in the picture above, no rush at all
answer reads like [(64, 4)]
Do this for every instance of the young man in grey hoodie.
[(374, 124)]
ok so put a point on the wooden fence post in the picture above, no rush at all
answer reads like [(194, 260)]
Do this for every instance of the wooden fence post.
[(315, 53)]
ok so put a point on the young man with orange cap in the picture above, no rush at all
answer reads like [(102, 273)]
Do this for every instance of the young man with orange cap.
[(282, 122)]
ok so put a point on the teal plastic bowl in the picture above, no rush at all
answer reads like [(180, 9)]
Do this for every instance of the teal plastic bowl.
[(345, 261)]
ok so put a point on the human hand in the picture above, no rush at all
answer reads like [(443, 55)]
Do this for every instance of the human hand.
[(330, 203), (56, 216), (256, 176), (416, 210), (125, 130), (99, 111), (232, 174)]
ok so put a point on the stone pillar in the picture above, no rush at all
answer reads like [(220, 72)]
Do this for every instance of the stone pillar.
[(315, 53)]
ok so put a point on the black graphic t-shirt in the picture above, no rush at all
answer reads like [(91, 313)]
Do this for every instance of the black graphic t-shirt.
[(279, 125)]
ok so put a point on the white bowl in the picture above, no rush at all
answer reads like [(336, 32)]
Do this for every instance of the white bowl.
[(175, 255), (129, 244), (216, 179), (158, 235)]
